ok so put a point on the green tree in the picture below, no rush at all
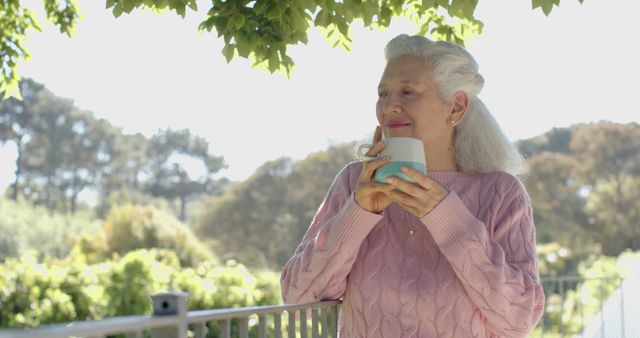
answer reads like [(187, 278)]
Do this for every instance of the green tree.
[(243, 221), (607, 151), (127, 162), (307, 186), (61, 150), (16, 124), (49, 149), (121, 178), (261, 221), (65, 153), (169, 177), (89, 154), (583, 182), (259, 30), (556, 140), (615, 208), (558, 206), (609, 171)]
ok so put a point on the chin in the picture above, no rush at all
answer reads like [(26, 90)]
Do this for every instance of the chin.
[(399, 134)]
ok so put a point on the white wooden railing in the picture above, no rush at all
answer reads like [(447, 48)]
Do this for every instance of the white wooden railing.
[(618, 316), (171, 320)]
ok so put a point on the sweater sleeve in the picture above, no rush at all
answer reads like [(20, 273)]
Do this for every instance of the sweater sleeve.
[(319, 267), (498, 269)]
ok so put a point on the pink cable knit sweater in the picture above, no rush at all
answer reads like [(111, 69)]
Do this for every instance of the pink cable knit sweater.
[(469, 270)]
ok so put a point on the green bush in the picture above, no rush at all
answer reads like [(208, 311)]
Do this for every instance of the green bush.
[(31, 294), (25, 227), (36, 291), (132, 227), (128, 196), (582, 301)]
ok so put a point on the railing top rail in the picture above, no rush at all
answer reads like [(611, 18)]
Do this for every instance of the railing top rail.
[(92, 327), (577, 278), (221, 314), (123, 324)]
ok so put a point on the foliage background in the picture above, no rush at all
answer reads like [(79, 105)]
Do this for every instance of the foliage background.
[(156, 224)]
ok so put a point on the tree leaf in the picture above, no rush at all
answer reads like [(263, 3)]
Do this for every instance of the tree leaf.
[(426, 4), (237, 20), (117, 10), (343, 27), (468, 8), (243, 47), (181, 10), (536, 3), (128, 6), (454, 8), (547, 6), (273, 61), (443, 3), (228, 51), (275, 23), (385, 16)]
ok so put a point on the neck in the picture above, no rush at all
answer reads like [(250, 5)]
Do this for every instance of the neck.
[(441, 159)]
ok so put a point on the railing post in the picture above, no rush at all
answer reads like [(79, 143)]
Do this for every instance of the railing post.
[(622, 322), (335, 316), (170, 304)]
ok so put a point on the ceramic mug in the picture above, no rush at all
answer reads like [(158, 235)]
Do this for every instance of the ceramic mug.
[(403, 152)]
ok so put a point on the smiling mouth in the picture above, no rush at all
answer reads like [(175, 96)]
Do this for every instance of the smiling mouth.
[(397, 124)]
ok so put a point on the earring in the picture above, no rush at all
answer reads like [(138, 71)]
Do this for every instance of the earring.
[(453, 122)]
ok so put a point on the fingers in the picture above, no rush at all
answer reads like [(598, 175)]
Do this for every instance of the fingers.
[(415, 206), (407, 193), (420, 198), (377, 135), (402, 198), (377, 147), (424, 181), (369, 168), (420, 178), (372, 187), (372, 196), (408, 188)]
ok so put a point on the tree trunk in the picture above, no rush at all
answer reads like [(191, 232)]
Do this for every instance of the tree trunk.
[(14, 194), (47, 196), (75, 190), (183, 208), (74, 204)]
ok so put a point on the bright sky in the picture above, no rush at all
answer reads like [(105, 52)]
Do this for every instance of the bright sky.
[(145, 71)]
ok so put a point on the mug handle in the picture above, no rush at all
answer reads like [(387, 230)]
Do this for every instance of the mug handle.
[(362, 150)]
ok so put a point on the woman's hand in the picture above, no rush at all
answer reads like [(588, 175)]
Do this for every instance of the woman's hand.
[(417, 198), (370, 195)]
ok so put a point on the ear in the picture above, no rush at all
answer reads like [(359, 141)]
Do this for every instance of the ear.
[(459, 106)]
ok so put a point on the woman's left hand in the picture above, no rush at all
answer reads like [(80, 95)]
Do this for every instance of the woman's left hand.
[(417, 198)]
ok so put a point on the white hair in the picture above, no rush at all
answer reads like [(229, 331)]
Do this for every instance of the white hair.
[(480, 145)]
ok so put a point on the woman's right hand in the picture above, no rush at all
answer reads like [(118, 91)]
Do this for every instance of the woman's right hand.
[(370, 195)]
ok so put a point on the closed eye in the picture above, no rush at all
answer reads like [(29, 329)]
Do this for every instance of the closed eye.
[(407, 92)]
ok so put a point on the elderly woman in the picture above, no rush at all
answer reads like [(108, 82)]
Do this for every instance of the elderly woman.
[(451, 255)]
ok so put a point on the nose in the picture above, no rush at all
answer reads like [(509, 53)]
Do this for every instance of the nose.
[(389, 104)]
